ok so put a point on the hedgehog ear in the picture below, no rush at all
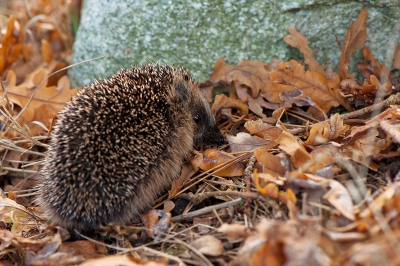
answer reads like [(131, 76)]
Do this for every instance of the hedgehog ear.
[(182, 91)]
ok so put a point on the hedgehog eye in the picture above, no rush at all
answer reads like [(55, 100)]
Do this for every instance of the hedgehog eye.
[(196, 119)]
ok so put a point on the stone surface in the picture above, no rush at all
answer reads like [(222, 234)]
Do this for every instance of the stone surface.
[(195, 35)]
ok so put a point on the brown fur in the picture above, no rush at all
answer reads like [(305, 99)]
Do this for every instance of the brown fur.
[(119, 143)]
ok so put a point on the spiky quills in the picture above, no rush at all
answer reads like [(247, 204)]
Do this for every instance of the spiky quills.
[(117, 145)]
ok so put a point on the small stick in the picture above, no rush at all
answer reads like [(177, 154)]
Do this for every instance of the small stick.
[(247, 177), (393, 99), (206, 210)]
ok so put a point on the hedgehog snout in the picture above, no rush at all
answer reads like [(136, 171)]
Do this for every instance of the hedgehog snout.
[(213, 136)]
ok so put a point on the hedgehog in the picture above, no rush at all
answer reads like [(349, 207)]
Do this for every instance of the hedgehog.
[(119, 143)]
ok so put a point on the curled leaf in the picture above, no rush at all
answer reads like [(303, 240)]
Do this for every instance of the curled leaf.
[(213, 158)]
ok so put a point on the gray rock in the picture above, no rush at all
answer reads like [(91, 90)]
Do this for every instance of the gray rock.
[(196, 34)]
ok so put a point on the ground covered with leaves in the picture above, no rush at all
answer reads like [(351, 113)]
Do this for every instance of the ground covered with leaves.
[(309, 174)]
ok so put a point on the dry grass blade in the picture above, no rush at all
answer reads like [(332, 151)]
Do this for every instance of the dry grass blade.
[(125, 250), (40, 85), (214, 170), (206, 210)]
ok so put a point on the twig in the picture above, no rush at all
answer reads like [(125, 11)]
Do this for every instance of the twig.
[(206, 210), (210, 172), (197, 199), (393, 99), (194, 250), (247, 177)]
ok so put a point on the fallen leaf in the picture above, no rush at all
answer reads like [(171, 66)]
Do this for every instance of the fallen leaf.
[(325, 131), (371, 66), (267, 189), (298, 154), (47, 53), (369, 144), (156, 222), (45, 104), (270, 163), (365, 94), (291, 75), (391, 126), (223, 108), (281, 243), (298, 98), (187, 173), (396, 59), (84, 248), (213, 158), (209, 245), (203, 224), (371, 123), (354, 40), (336, 194), (11, 44), (299, 41), (257, 104), (324, 157), (245, 142), (120, 260), (263, 130), (15, 214), (235, 231), (383, 199), (252, 74)]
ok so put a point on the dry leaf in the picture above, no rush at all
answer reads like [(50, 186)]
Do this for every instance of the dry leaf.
[(213, 158), (298, 154), (298, 98), (156, 222), (263, 130), (325, 131), (15, 214), (371, 123), (187, 172), (281, 243), (361, 95), (337, 194), (245, 142), (223, 107), (209, 245), (257, 104), (267, 189), (324, 157), (299, 41), (371, 66), (391, 126), (11, 44), (369, 144), (47, 53), (234, 231), (201, 224), (84, 248), (382, 200), (46, 103), (270, 163), (291, 76), (252, 74), (120, 260), (355, 38), (396, 60)]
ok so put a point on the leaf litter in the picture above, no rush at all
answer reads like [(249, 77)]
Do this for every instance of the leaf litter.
[(310, 173)]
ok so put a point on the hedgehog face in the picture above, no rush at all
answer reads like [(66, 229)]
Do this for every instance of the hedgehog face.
[(205, 128), (191, 99)]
